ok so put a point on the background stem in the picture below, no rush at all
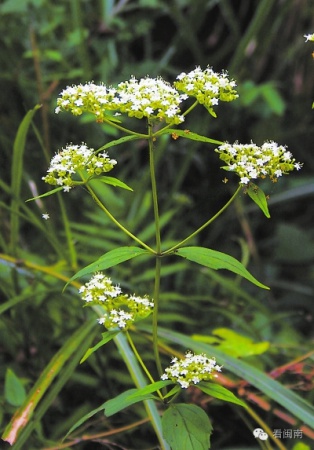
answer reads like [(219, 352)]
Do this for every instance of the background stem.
[(158, 249)]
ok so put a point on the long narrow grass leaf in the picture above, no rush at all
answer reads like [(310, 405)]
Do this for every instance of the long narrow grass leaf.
[(295, 404), (17, 174), (23, 415)]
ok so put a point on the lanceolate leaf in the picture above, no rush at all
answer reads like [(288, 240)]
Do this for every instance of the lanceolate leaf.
[(106, 337), (293, 403), (114, 182), (217, 391), (17, 175), (186, 427), (46, 194), (133, 396), (258, 196), (110, 259), (122, 401), (118, 142), (189, 135), (217, 260)]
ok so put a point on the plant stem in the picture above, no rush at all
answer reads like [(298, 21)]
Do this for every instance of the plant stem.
[(114, 220), (172, 249), (125, 130), (162, 130), (139, 381), (155, 315), (68, 233), (154, 188), (140, 360), (158, 249)]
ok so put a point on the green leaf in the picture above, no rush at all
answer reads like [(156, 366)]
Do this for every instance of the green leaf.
[(22, 417), (114, 182), (108, 336), (258, 196), (118, 141), (133, 396), (273, 98), (186, 427), (232, 343), (217, 391), (46, 194), (301, 446), (189, 135), (110, 259), (122, 401), (17, 176), (14, 391), (217, 260), (293, 403)]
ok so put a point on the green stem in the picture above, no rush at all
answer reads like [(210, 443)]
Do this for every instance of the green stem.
[(190, 108), (140, 360), (162, 130), (172, 249), (139, 381), (115, 221), (125, 130), (77, 20), (158, 249), (155, 316), (154, 188), (68, 233)]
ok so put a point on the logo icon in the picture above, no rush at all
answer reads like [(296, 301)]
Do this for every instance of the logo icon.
[(260, 434)]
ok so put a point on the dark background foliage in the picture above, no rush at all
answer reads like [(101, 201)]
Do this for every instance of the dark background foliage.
[(47, 45)]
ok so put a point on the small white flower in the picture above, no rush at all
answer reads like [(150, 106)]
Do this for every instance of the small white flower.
[(309, 37), (121, 310), (250, 161), (45, 216), (278, 173), (191, 370)]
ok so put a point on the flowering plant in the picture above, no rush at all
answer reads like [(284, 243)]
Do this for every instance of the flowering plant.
[(163, 107)]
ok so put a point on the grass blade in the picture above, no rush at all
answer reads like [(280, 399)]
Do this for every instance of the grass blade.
[(295, 404), (16, 176), (23, 415)]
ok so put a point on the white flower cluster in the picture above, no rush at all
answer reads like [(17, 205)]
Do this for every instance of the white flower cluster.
[(89, 97), (121, 310), (309, 37), (73, 159), (207, 86), (153, 98), (250, 161), (191, 370)]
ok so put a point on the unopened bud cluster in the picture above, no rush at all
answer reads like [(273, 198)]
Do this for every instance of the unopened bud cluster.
[(121, 310), (191, 370), (250, 161), (74, 159)]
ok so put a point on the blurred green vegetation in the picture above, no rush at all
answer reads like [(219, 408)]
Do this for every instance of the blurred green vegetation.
[(46, 45)]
